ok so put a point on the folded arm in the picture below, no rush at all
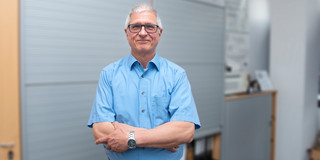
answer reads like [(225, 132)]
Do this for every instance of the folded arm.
[(168, 136), (102, 129)]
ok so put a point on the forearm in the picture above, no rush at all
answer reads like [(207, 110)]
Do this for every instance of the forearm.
[(168, 135), (102, 129)]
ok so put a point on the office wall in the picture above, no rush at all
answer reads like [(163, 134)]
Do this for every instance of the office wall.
[(312, 74), (259, 35), (64, 46), (318, 40), (293, 59)]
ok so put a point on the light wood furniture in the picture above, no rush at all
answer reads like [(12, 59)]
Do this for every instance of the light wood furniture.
[(216, 147), (215, 153), (9, 80)]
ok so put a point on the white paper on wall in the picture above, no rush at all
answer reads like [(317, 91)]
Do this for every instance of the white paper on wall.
[(237, 34)]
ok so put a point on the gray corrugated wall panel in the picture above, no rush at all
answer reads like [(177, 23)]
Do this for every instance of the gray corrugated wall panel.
[(193, 32), (71, 40), (207, 95), (64, 46), (193, 37), (57, 117)]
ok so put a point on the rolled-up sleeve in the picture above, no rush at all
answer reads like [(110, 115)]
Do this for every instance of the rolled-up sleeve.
[(102, 109), (182, 106)]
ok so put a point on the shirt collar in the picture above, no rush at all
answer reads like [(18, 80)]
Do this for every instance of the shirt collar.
[(155, 61), (131, 61)]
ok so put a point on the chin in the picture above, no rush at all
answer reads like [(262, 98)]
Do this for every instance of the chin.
[(144, 50)]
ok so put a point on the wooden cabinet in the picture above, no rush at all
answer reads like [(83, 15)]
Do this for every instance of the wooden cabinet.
[(249, 127)]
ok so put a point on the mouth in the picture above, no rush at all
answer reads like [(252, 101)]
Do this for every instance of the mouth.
[(143, 41)]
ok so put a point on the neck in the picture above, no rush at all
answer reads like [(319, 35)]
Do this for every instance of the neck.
[(143, 58)]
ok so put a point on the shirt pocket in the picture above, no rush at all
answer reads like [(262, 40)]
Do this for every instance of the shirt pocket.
[(160, 106)]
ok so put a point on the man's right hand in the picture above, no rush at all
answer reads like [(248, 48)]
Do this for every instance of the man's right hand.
[(173, 149)]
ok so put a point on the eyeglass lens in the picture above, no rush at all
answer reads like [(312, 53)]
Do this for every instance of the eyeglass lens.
[(150, 28)]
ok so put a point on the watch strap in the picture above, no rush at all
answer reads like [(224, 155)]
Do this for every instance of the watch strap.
[(131, 135)]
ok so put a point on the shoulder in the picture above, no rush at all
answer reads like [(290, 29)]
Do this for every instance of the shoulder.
[(110, 68), (172, 71), (169, 66)]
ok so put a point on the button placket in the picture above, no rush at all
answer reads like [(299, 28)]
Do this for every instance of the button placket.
[(143, 102)]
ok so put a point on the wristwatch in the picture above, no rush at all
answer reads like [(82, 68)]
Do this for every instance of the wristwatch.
[(131, 141)]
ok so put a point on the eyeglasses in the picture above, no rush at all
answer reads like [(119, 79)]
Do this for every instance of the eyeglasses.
[(149, 28)]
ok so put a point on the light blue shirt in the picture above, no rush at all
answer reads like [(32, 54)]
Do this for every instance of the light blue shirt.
[(144, 98)]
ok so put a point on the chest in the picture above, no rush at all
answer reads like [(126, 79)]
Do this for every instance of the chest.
[(142, 99), (142, 84)]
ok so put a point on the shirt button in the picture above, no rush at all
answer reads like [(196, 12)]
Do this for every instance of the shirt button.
[(142, 110), (142, 93)]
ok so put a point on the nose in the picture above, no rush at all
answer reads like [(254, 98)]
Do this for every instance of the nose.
[(143, 31)]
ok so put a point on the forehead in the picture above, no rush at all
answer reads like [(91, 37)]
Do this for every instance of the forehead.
[(143, 17)]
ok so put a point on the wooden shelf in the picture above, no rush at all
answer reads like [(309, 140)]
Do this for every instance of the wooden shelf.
[(244, 95)]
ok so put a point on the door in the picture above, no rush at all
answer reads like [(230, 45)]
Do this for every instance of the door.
[(9, 81)]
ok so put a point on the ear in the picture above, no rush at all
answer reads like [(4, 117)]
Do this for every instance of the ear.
[(126, 31), (160, 32)]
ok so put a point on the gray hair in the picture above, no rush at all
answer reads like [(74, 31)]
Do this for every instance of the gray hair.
[(140, 8)]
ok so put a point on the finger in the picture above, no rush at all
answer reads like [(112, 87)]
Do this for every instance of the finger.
[(108, 147), (120, 126), (98, 141), (173, 149), (103, 140), (117, 150), (115, 123)]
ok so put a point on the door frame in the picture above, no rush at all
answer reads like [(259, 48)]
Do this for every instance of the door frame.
[(9, 80)]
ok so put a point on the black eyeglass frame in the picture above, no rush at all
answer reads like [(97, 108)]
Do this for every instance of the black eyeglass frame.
[(145, 28)]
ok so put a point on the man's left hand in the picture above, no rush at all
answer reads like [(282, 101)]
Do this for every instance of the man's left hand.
[(117, 140)]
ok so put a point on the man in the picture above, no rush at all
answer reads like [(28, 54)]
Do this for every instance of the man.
[(144, 107)]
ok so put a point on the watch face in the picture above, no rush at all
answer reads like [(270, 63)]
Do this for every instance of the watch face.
[(131, 143)]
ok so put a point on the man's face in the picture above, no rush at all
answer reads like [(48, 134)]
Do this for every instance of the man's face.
[(143, 42)]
